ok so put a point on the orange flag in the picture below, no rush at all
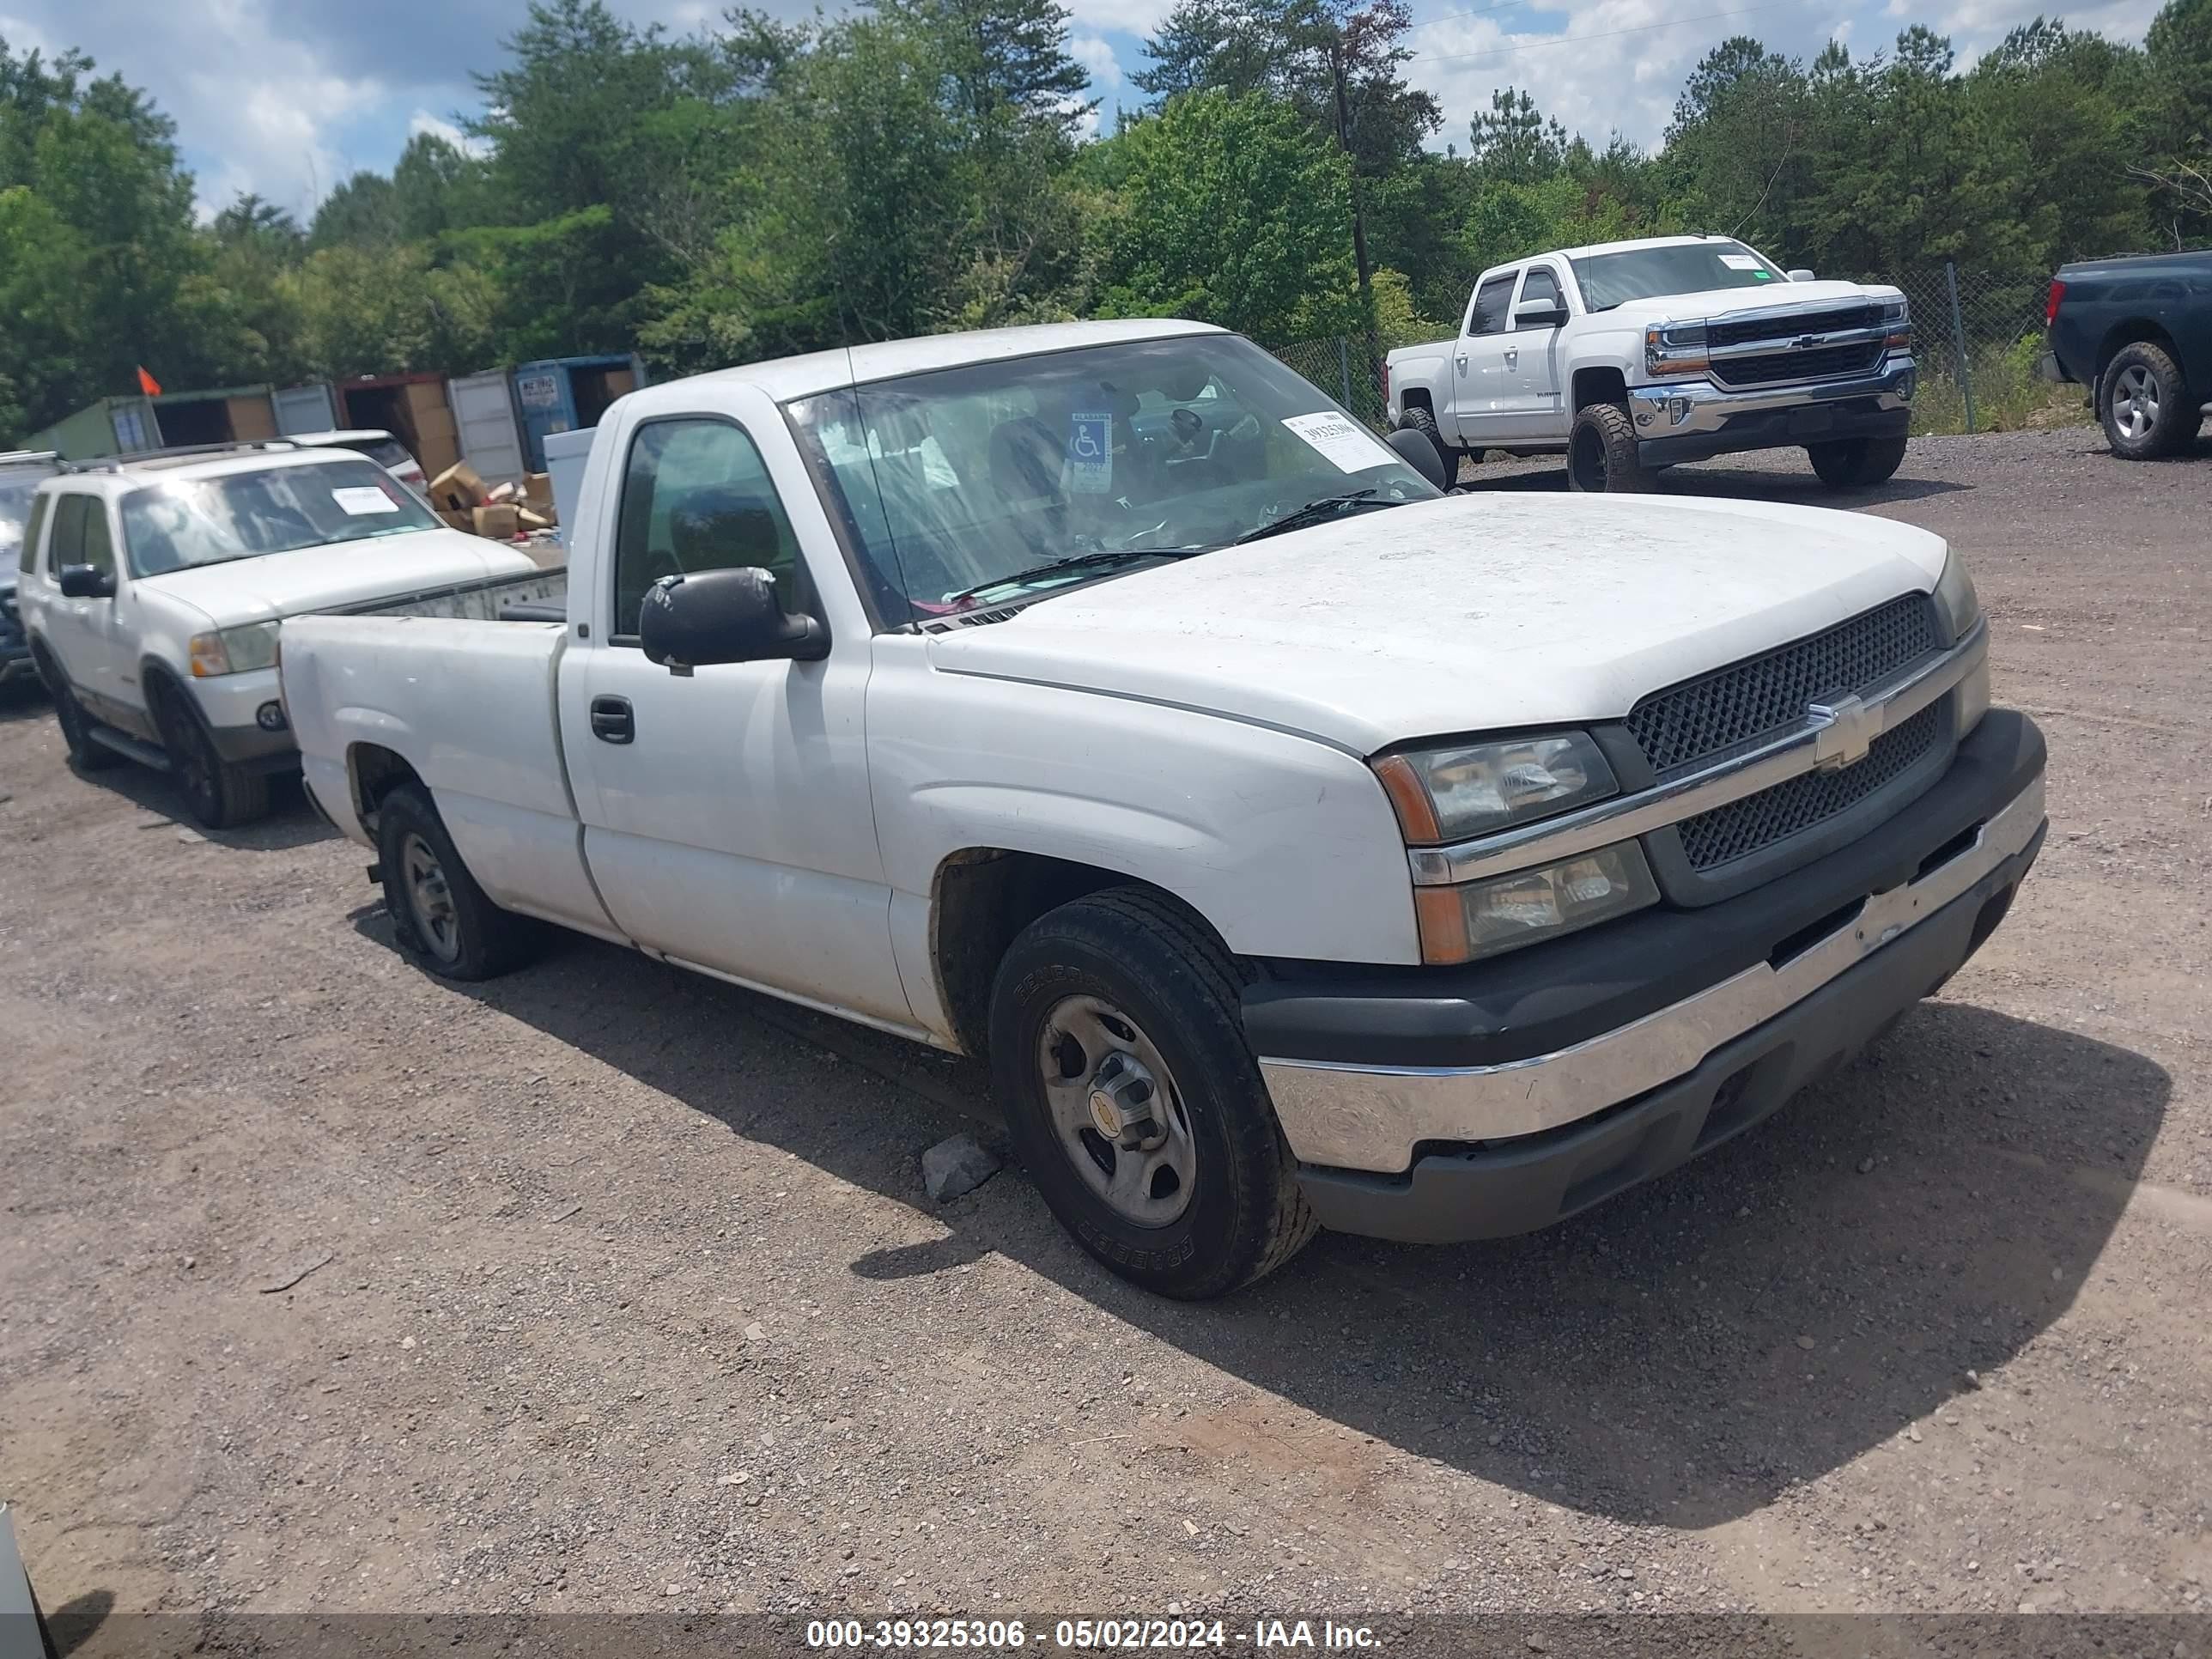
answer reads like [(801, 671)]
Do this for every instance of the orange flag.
[(147, 384)]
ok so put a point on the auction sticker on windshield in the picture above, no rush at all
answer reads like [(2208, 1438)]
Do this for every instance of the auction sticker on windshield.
[(1090, 454), (1342, 440), (360, 500)]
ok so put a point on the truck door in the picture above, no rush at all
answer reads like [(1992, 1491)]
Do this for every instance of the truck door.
[(1532, 360), (85, 635), (1482, 403), (727, 818)]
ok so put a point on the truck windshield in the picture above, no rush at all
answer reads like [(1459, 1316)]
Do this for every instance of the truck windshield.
[(1648, 273), (188, 522), (997, 482)]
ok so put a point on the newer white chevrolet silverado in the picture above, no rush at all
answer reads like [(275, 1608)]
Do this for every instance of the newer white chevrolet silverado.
[(153, 588), (1631, 357), (1302, 846)]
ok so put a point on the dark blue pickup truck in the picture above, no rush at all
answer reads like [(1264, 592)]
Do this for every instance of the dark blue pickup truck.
[(2138, 333)]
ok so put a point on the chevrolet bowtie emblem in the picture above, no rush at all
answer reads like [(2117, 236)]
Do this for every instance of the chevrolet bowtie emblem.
[(1843, 730)]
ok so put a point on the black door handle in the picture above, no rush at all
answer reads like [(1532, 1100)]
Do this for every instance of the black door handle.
[(612, 721)]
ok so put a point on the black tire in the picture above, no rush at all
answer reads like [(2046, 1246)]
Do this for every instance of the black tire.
[(84, 755), (219, 795), (1418, 419), (1601, 451), (1854, 463), (2144, 405), (1147, 959), (472, 938)]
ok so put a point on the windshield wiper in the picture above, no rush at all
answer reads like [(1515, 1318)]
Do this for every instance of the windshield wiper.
[(1312, 513), (1105, 558)]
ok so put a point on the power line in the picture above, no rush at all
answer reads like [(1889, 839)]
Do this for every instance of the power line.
[(1477, 11), (1606, 34)]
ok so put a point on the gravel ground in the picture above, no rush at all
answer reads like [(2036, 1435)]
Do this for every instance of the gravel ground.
[(621, 1290)]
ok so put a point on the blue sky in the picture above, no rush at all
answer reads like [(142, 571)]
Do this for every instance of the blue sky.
[(285, 98)]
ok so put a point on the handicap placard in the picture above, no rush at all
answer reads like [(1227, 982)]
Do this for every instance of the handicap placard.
[(1090, 454)]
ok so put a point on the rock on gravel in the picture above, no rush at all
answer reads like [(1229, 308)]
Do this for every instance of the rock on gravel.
[(960, 1163)]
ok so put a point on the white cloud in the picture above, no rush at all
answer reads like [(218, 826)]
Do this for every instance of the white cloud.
[(1098, 59), (422, 121), (1137, 18)]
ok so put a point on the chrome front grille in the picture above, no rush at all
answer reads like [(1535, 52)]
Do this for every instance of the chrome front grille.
[(1813, 363), (1780, 326), (1742, 827), (1688, 724)]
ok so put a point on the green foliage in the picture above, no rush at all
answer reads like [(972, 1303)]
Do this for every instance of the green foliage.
[(1232, 212)]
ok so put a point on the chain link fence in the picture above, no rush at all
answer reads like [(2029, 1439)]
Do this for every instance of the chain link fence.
[(1976, 337)]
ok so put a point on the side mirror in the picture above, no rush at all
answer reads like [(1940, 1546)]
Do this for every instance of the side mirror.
[(1800, 275), (1539, 314), (1418, 451), (723, 617), (84, 581)]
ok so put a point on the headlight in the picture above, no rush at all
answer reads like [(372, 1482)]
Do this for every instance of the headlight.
[(1897, 320), (1675, 348), (233, 650), (1487, 918), (1450, 794), (1955, 599)]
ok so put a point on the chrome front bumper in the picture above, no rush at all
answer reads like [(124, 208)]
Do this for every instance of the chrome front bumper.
[(1373, 1118), (1693, 408)]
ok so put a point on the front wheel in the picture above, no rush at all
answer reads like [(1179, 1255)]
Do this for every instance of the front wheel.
[(1132, 1099), (445, 921), (219, 795), (1418, 419), (1853, 463), (1601, 451)]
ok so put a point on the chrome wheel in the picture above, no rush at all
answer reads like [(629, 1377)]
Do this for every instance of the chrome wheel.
[(429, 900), (2135, 401), (1120, 1118)]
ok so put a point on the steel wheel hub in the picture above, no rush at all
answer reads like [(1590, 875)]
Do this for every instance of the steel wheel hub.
[(1120, 1118), (2135, 401), (430, 898)]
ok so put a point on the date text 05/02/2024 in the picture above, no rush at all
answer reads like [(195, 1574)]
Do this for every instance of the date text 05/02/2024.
[(1089, 1635)]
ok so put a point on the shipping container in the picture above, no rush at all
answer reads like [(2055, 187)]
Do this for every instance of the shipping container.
[(305, 409), (113, 426), (412, 408), (241, 414), (566, 394), (491, 434)]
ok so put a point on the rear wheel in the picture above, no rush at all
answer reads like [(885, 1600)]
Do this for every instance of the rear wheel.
[(2145, 404), (220, 795), (84, 755), (1601, 451), (1134, 1100), (1418, 419), (444, 921), (1852, 463)]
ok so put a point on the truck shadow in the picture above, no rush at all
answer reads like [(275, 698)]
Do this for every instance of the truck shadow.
[(1680, 1356), (1779, 484), (291, 822)]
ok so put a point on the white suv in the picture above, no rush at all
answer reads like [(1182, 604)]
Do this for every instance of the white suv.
[(152, 587)]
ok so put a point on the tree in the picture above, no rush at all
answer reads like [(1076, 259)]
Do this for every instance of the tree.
[(1513, 143), (1233, 211)]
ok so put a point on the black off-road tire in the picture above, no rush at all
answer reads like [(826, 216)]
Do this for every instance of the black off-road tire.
[(1142, 952), (1854, 463), (484, 941), (219, 795), (1418, 419), (84, 755), (2144, 405), (1601, 451)]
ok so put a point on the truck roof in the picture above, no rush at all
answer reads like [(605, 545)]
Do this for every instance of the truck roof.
[(1624, 246), (786, 378)]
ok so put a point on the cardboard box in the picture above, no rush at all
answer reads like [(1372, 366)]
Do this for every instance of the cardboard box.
[(457, 488), (460, 521), (531, 518), (501, 523), (506, 490), (537, 491)]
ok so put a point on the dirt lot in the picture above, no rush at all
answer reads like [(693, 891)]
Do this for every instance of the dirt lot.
[(630, 1296)]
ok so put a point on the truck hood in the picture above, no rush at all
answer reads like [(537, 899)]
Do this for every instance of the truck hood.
[(1713, 302), (1470, 613), (333, 578)]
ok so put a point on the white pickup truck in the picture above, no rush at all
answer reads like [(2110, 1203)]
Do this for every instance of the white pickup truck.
[(1631, 357), (1302, 846)]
